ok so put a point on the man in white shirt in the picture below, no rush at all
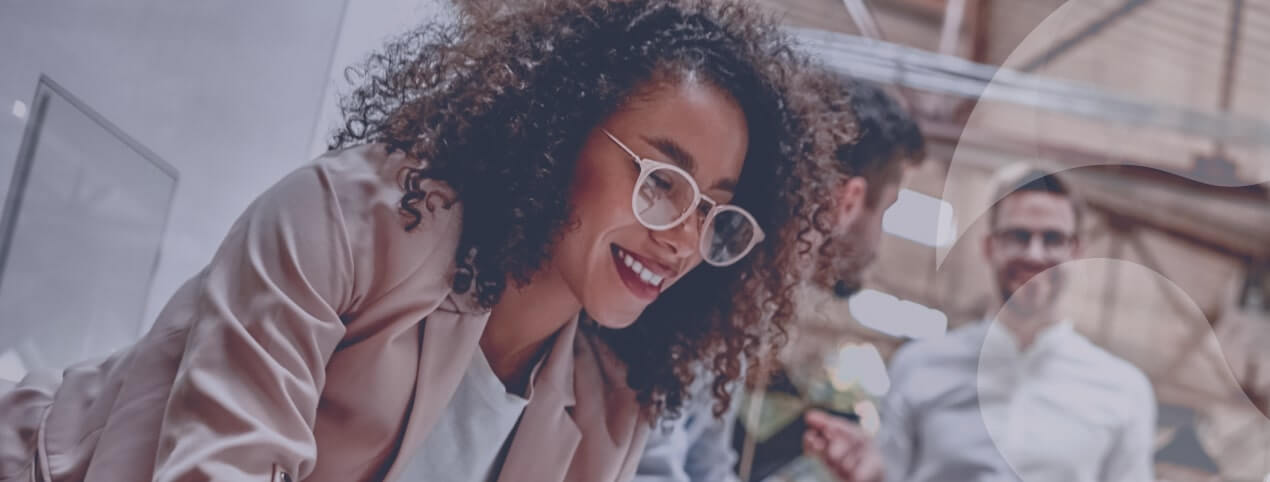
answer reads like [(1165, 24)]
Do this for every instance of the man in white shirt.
[(1023, 396)]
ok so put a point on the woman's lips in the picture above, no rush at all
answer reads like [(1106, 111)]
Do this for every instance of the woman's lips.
[(644, 281)]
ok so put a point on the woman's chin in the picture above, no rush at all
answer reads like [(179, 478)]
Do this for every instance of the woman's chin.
[(614, 320)]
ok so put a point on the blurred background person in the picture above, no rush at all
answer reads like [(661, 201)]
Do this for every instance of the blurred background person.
[(1019, 397)]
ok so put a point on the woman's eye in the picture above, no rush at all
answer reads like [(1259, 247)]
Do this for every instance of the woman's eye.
[(662, 181)]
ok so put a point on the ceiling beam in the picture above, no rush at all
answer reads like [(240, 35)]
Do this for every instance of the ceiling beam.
[(864, 19), (1098, 25), (950, 31), (1232, 226), (1228, 69), (921, 70), (1224, 219), (980, 29), (926, 10), (1111, 294)]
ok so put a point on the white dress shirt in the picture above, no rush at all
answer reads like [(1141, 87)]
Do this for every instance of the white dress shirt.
[(972, 407)]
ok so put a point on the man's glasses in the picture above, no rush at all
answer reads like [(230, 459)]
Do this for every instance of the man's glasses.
[(1018, 240)]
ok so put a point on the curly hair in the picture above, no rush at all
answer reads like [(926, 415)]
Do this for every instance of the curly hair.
[(499, 109)]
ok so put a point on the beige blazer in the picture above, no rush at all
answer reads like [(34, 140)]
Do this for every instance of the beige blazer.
[(321, 344)]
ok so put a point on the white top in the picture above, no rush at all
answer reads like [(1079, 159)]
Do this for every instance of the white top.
[(971, 407), (469, 441)]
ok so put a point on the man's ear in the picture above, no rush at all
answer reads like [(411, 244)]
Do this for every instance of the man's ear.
[(852, 196)]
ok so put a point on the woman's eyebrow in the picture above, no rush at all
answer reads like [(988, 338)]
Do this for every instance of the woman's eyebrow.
[(675, 152)]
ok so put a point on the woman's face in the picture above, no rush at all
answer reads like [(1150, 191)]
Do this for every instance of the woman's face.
[(689, 124)]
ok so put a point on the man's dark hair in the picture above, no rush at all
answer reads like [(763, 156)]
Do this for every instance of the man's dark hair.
[(1033, 180), (860, 130), (888, 139)]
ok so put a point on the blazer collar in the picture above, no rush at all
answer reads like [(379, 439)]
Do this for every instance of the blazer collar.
[(547, 436)]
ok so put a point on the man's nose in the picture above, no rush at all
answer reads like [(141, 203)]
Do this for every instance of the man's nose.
[(1035, 249)]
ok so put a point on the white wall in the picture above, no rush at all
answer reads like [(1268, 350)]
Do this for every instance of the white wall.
[(367, 25), (227, 92), (234, 93)]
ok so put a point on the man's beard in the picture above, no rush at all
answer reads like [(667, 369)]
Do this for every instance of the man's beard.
[(840, 264), (1036, 296)]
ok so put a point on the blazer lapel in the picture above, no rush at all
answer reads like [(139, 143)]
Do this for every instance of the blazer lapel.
[(606, 412), (449, 338), (547, 436)]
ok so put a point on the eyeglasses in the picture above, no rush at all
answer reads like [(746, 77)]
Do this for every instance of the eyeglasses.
[(1018, 240), (665, 196)]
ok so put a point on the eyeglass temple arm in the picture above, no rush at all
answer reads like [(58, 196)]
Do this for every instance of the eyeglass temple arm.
[(619, 144)]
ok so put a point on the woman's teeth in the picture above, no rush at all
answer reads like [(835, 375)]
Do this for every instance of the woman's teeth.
[(648, 277)]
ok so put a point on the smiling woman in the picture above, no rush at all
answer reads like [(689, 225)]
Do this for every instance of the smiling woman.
[(496, 273)]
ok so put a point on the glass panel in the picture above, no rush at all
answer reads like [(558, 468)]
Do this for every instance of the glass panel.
[(80, 237)]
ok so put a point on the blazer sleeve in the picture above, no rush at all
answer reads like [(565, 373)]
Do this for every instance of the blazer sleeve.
[(244, 400)]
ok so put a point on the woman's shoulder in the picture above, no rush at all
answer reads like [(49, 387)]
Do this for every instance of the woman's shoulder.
[(365, 185), (373, 169), (367, 177)]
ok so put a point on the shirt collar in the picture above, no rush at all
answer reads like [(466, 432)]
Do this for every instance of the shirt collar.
[(1000, 342)]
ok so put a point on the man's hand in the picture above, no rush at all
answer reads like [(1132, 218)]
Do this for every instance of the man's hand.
[(843, 446)]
